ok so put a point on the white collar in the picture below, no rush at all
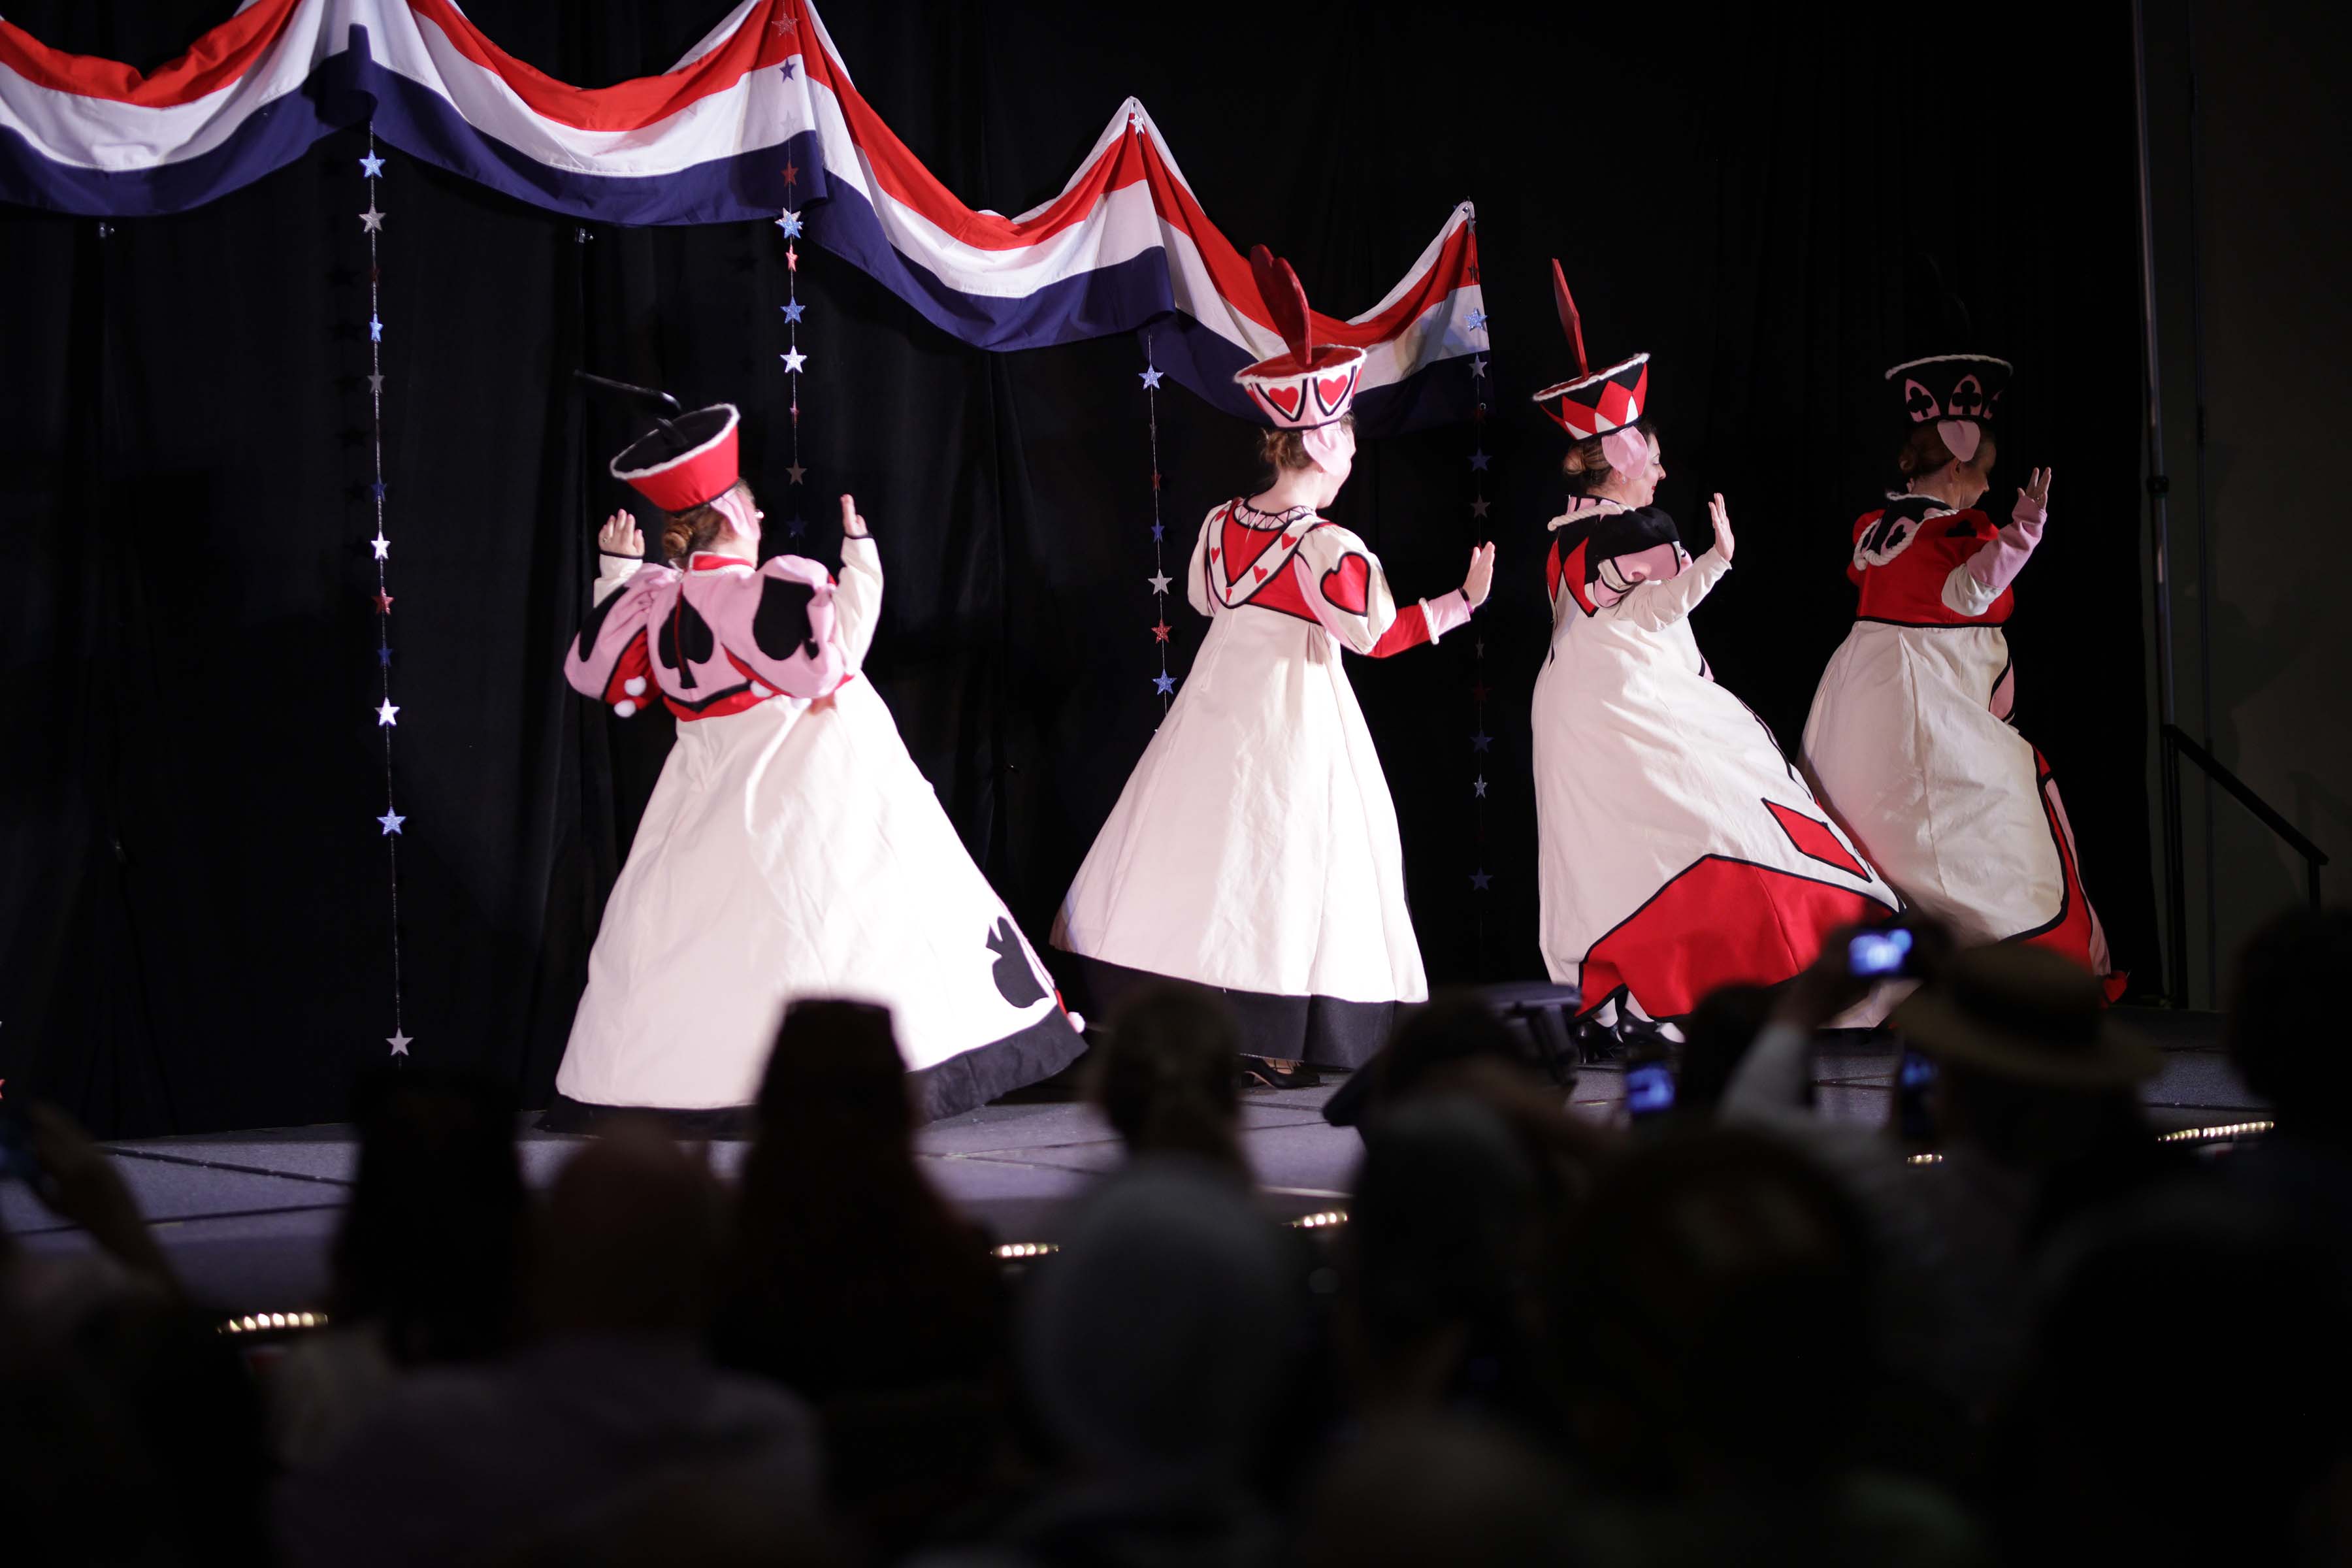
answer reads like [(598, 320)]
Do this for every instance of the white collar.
[(1579, 508)]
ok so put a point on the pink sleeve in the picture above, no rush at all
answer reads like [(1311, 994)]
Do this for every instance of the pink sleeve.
[(608, 659), (779, 622), (2000, 558)]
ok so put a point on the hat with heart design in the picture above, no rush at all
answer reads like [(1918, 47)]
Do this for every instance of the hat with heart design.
[(686, 462), (1594, 402), (1308, 385)]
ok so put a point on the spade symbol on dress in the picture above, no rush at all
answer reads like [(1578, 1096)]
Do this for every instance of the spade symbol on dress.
[(1016, 981)]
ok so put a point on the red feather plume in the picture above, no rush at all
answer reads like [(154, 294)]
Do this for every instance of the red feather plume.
[(1285, 297), (1569, 322)]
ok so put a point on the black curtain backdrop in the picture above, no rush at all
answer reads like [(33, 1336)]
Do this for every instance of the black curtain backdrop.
[(195, 932)]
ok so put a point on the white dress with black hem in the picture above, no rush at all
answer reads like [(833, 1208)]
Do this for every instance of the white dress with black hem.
[(790, 849), (1255, 847)]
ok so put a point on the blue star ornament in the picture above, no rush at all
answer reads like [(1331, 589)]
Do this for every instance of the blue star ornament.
[(1149, 376), (1163, 683), (788, 67), (1479, 878), (1475, 321), (375, 491), (792, 311), (1481, 740), (791, 223), (384, 657), (1478, 462), (391, 821), (376, 329), (371, 167), (1158, 533)]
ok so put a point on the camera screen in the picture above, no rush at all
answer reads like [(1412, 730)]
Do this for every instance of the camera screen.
[(1878, 952), (1649, 1088)]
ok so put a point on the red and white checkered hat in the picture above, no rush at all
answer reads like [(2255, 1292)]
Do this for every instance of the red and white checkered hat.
[(1596, 401)]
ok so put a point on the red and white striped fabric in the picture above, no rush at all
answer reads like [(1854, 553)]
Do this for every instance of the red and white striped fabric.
[(1124, 242)]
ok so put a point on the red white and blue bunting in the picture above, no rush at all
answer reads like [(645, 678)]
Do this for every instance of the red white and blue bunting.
[(1124, 243)]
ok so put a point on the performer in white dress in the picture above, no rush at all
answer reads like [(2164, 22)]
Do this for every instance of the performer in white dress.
[(790, 847), (1254, 849), (1679, 851), (1910, 742)]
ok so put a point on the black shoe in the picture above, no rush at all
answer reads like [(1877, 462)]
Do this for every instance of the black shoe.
[(1257, 1072)]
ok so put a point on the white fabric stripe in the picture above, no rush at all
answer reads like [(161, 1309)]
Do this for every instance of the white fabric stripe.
[(762, 110)]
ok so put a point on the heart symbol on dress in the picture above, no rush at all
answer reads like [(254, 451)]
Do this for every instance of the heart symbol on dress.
[(1212, 553), (1261, 573), (1344, 585)]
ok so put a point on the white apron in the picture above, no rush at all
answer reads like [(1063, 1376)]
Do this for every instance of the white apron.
[(1910, 743)]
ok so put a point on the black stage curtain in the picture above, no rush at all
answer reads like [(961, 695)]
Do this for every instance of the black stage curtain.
[(197, 930)]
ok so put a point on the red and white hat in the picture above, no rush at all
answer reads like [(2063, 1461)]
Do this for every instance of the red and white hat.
[(1307, 387), (1596, 402), (686, 462)]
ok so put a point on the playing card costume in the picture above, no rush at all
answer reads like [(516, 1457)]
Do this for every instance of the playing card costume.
[(1910, 742), (790, 847), (1678, 851), (1255, 847)]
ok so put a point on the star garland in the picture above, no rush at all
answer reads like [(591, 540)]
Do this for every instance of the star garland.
[(1164, 684), (1481, 879), (790, 222), (387, 712)]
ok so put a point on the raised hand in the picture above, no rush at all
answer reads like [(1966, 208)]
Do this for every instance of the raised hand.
[(1481, 579), (2035, 494), (851, 525), (1721, 517), (619, 536)]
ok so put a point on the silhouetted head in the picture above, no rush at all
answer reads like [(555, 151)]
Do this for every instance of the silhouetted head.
[(630, 1239), (2287, 1020), (1164, 1074), (430, 1241)]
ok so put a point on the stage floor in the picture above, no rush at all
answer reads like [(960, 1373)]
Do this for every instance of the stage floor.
[(247, 1216)]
